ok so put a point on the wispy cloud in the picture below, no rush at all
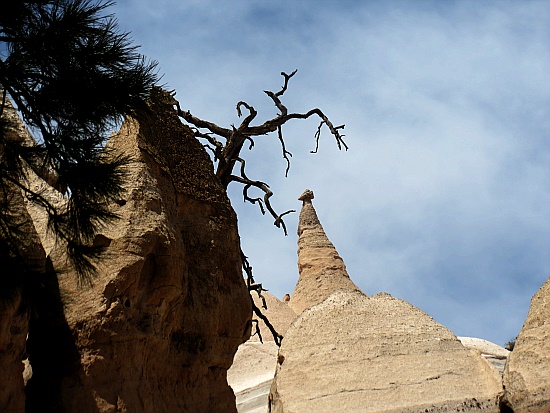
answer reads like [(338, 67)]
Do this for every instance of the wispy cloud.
[(443, 197)]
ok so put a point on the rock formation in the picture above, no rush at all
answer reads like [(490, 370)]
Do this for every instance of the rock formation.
[(493, 353), (254, 365), (158, 329), (14, 323), (527, 372), (322, 270), (22, 276), (354, 353), (347, 352)]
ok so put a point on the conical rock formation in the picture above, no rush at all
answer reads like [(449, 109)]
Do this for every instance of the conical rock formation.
[(527, 372), (354, 353), (322, 270)]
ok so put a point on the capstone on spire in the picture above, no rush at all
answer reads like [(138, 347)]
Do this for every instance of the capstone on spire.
[(322, 270)]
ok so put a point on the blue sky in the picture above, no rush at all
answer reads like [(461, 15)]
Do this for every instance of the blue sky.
[(443, 197)]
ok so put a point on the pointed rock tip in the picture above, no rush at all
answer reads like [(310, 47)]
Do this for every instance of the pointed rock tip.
[(307, 195)]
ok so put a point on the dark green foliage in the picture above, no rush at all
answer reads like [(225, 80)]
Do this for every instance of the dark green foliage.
[(510, 344), (72, 76)]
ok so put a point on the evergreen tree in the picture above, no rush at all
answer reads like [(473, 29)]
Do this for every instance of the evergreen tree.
[(72, 75)]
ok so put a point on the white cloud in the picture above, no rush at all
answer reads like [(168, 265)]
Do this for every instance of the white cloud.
[(443, 196)]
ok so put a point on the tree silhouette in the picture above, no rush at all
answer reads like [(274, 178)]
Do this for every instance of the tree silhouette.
[(228, 153), (72, 76), (226, 145)]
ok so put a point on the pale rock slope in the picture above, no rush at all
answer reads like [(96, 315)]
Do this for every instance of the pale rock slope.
[(493, 353), (347, 352), (254, 365), (527, 373), (354, 353)]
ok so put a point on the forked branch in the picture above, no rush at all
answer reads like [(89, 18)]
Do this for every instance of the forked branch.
[(227, 154), (253, 287)]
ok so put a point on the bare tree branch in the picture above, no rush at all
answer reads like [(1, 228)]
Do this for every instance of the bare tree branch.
[(249, 118), (276, 336), (285, 152), (228, 154), (199, 123), (258, 288), (257, 330), (267, 194)]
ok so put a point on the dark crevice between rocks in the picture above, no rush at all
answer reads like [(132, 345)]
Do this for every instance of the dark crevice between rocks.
[(505, 407), (52, 352), (101, 241)]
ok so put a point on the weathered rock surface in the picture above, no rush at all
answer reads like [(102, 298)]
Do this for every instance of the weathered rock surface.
[(493, 353), (354, 353), (158, 329), (322, 270), (254, 365), (527, 372), (22, 273), (14, 323)]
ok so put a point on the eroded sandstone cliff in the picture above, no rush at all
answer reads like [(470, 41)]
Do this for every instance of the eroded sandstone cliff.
[(379, 354), (158, 329)]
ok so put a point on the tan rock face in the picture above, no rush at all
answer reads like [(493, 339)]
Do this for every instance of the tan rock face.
[(527, 372), (255, 361), (19, 280), (352, 353), (161, 324), (322, 270)]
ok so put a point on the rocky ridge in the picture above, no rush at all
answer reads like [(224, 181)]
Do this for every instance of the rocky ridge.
[(159, 327)]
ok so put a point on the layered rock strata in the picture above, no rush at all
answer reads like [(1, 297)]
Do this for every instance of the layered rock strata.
[(354, 353), (322, 270), (158, 329), (527, 372), (347, 352)]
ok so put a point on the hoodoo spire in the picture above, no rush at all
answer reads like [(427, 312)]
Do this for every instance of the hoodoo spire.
[(322, 270)]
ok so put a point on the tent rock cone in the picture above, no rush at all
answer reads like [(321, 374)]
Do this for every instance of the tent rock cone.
[(322, 270), (347, 352)]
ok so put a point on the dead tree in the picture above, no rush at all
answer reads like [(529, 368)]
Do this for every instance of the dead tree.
[(226, 145)]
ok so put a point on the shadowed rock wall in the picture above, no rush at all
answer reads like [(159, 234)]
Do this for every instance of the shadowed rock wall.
[(21, 276), (158, 329)]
